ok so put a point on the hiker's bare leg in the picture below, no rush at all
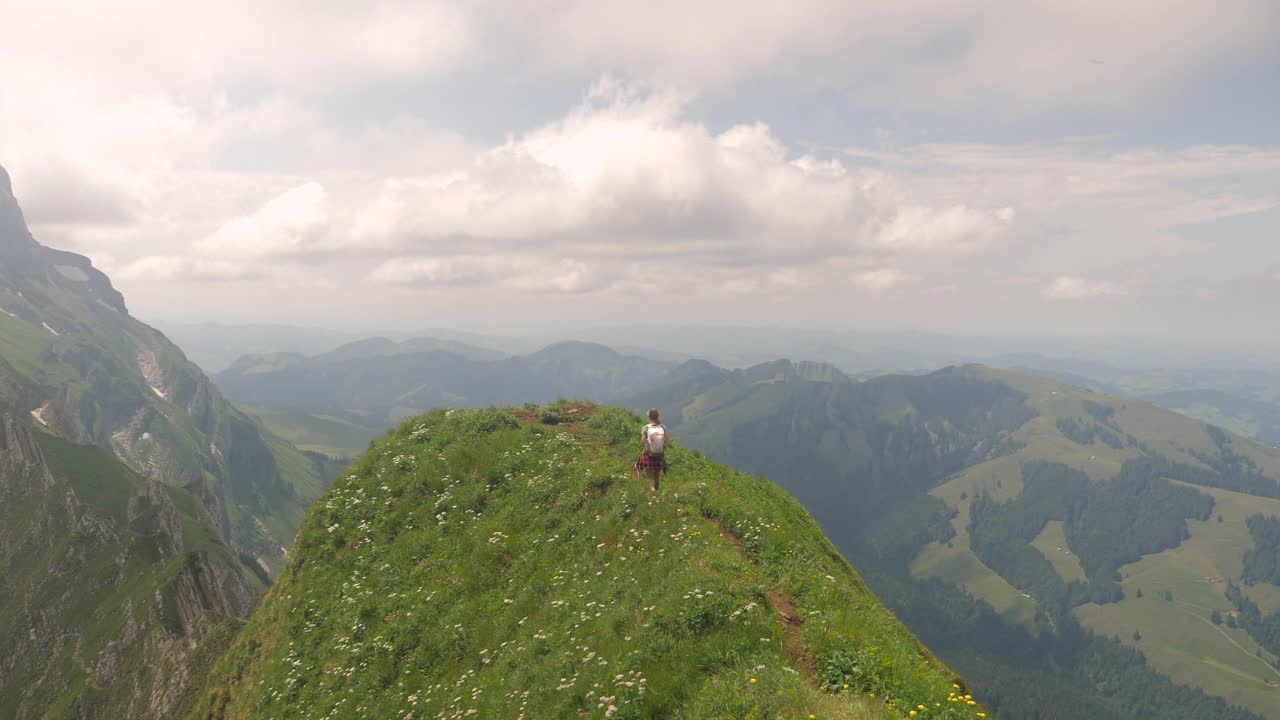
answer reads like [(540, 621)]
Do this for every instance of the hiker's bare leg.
[(654, 474)]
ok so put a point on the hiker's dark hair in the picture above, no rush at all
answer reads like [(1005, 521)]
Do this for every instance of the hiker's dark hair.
[(653, 414)]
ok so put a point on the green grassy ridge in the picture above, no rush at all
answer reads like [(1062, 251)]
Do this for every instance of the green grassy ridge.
[(1144, 427), (473, 562)]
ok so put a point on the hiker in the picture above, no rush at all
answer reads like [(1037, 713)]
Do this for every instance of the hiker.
[(653, 460)]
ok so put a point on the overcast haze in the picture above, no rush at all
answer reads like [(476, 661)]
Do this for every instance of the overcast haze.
[(1009, 167)]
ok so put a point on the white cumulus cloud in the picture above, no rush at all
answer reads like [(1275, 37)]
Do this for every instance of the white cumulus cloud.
[(286, 225), (528, 273), (465, 270), (880, 279), (626, 174), (1071, 287), (954, 230), (170, 268)]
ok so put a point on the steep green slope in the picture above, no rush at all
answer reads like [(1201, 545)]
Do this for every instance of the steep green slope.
[(113, 587), (138, 509), (943, 488), (73, 357), (480, 563)]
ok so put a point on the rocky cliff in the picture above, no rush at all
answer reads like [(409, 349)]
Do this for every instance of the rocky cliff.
[(73, 358), (105, 597), (140, 513)]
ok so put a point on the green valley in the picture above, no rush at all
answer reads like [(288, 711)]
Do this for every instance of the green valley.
[(1028, 507)]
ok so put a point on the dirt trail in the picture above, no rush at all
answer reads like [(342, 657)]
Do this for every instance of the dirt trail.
[(1229, 639), (573, 421), (785, 613)]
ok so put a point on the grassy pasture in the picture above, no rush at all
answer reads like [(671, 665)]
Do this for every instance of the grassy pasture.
[(1052, 543), (1178, 637)]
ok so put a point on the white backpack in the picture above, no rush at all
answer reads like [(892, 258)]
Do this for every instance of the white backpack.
[(657, 439)]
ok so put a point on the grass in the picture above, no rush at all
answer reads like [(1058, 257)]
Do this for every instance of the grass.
[(1178, 638), (324, 434), (1052, 543), (1246, 425), (955, 563), (1216, 549), (1043, 441), (98, 478), (959, 566), (480, 564), (1164, 431), (1001, 478)]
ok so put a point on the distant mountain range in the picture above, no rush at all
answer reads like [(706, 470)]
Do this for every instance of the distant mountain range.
[(1237, 389), (338, 401), (215, 346)]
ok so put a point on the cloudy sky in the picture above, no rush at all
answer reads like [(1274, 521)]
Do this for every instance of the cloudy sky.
[(1019, 166)]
